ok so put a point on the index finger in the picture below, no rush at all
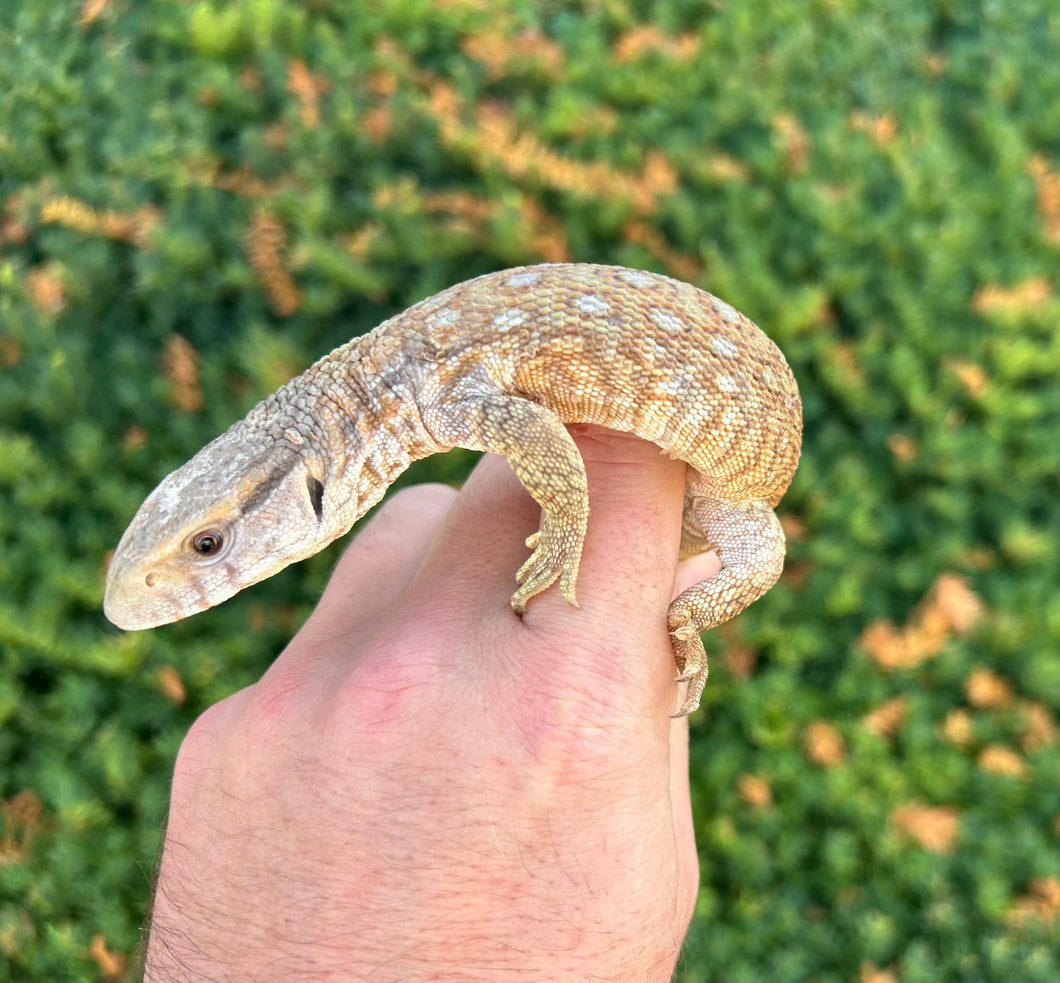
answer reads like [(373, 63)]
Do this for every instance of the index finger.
[(614, 651)]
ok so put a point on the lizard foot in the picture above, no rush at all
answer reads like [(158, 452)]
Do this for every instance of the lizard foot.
[(691, 659), (557, 551)]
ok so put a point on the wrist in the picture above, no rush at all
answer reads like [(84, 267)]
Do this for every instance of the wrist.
[(501, 907)]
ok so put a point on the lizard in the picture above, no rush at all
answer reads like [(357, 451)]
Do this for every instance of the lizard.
[(498, 363)]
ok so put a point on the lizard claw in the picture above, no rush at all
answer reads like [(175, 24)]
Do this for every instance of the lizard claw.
[(696, 683)]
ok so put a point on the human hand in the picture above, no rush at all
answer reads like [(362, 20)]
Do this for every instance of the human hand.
[(424, 786)]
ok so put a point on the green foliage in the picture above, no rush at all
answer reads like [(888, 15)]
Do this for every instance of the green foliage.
[(876, 185)]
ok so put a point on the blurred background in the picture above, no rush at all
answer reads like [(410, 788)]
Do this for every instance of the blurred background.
[(198, 199)]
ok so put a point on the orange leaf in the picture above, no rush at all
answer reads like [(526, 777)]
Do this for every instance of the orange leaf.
[(1002, 760), (755, 791), (933, 827), (824, 744)]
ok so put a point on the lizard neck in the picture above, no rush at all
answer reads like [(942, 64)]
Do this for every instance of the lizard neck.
[(362, 406)]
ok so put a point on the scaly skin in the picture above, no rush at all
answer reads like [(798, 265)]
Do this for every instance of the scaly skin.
[(500, 364)]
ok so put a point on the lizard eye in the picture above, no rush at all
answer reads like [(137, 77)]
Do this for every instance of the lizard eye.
[(208, 542)]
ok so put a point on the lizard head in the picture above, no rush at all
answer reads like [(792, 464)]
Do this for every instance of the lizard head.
[(239, 511)]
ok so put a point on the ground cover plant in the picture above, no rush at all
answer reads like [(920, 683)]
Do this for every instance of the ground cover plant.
[(198, 199)]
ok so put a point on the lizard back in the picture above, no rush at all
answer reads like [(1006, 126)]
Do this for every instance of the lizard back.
[(625, 349)]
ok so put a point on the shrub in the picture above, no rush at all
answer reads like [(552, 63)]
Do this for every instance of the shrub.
[(196, 200)]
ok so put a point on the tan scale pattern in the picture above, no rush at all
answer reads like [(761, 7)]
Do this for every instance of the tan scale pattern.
[(499, 363)]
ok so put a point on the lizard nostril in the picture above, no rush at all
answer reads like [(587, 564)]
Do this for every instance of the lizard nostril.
[(151, 579)]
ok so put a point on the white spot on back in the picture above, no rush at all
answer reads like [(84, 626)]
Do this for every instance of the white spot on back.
[(728, 313), (726, 383), (444, 316), (522, 279), (666, 320), (723, 346), (592, 304), (509, 318), (637, 279)]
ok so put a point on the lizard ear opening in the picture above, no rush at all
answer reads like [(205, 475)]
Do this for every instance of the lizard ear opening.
[(316, 495)]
